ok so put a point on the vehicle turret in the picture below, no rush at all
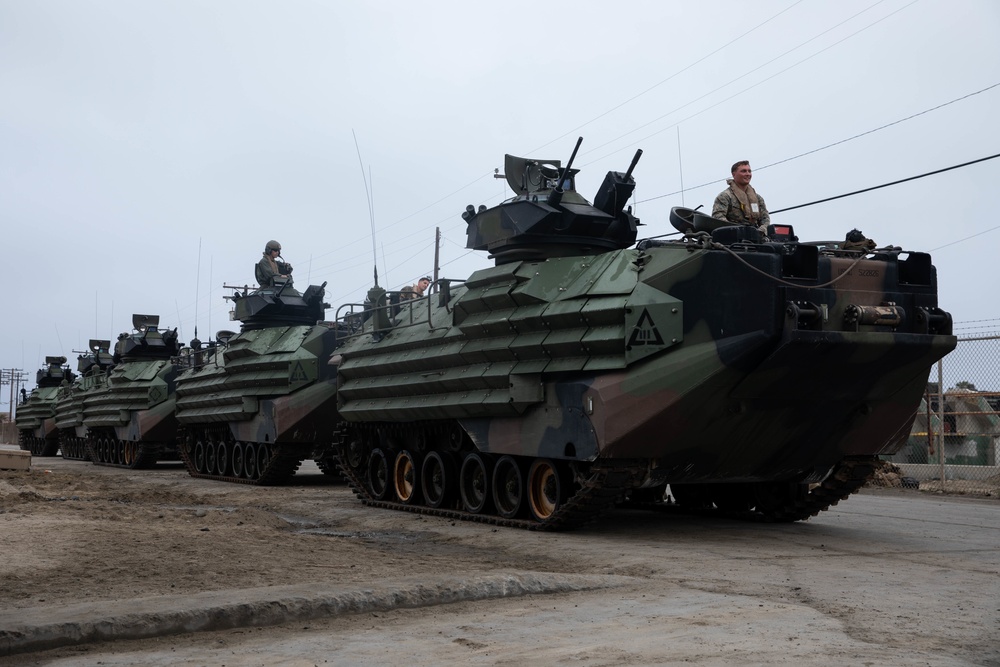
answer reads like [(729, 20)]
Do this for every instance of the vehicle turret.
[(278, 305), (55, 372), (97, 357), (146, 341), (547, 217), (35, 420)]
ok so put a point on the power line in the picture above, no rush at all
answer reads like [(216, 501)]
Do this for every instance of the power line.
[(703, 110), (748, 73), (674, 75), (966, 238), (895, 122), (747, 89), (836, 143), (885, 185)]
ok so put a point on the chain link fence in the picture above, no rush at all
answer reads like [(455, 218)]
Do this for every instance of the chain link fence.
[(954, 445)]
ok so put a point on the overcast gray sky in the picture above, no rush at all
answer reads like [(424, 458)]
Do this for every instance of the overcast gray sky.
[(138, 137)]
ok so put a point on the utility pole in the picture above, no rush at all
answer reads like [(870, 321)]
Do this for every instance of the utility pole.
[(22, 378), (13, 377)]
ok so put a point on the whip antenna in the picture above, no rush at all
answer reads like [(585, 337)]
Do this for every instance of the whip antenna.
[(371, 211), (197, 284)]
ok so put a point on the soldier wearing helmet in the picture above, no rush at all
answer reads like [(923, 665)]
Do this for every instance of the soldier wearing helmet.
[(270, 265)]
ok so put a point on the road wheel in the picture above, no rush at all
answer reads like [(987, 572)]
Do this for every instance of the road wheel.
[(238, 460), (249, 460), (405, 475), (508, 487), (222, 458), (378, 474), (546, 489), (131, 449), (263, 459), (211, 456), (356, 453), (437, 478), (199, 456), (474, 483)]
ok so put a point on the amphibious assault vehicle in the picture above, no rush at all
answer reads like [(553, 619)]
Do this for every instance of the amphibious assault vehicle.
[(257, 403), (92, 367), (752, 374), (36, 424), (129, 419)]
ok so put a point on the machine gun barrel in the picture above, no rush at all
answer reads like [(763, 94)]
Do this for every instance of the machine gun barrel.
[(635, 161), (557, 194)]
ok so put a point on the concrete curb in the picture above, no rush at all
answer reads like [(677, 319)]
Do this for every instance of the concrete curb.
[(42, 628)]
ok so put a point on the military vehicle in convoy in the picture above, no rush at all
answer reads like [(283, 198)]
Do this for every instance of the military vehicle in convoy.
[(129, 419), (255, 404), (752, 374), (92, 367), (36, 424)]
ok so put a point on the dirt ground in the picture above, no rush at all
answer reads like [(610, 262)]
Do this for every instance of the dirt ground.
[(888, 577), (74, 532)]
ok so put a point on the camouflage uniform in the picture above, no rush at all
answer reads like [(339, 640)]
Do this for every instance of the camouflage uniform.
[(265, 271), (414, 291), (728, 207)]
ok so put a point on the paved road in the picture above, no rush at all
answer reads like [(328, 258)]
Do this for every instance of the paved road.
[(882, 579)]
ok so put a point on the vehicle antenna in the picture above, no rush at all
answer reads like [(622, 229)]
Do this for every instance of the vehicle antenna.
[(680, 163), (197, 285), (371, 212), (180, 329), (211, 267)]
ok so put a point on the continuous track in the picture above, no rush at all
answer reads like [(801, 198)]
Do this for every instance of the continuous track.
[(279, 461), (845, 479), (38, 446), (604, 485), (73, 448), (597, 487)]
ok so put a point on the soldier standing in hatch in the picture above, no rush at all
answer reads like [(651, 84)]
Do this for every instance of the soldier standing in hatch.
[(415, 291), (269, 267), (740, 203)]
